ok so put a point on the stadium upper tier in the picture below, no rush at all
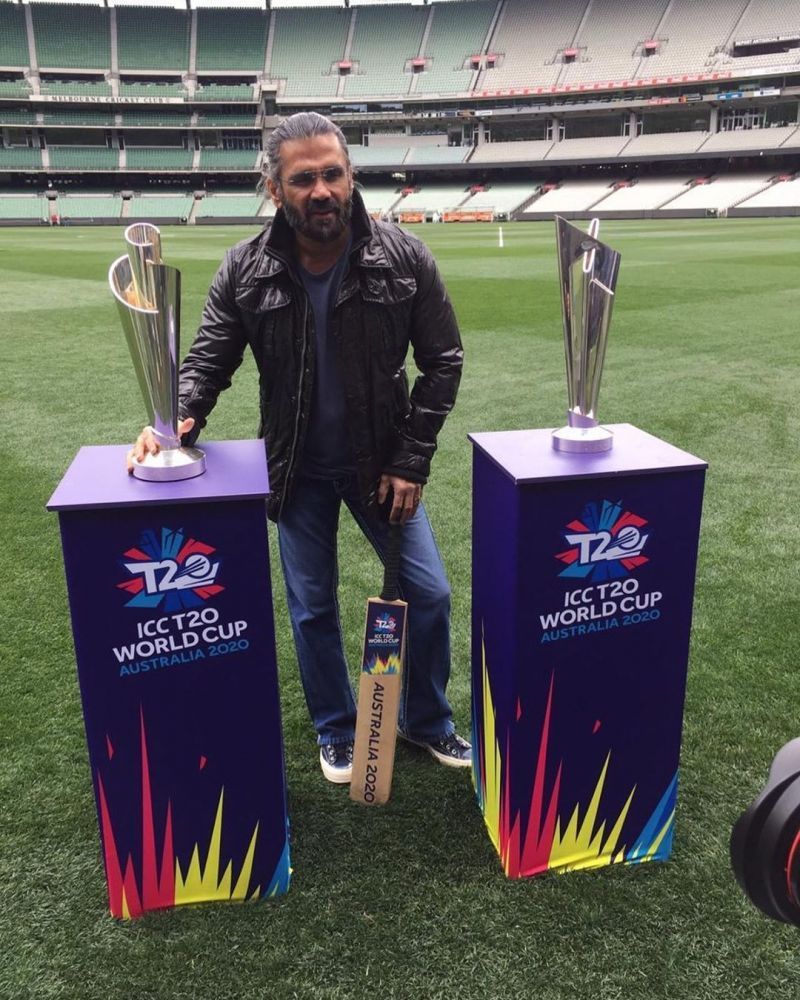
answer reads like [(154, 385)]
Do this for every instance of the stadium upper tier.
[(478, 46)]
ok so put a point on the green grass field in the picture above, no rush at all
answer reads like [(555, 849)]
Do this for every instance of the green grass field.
[(409, 901)]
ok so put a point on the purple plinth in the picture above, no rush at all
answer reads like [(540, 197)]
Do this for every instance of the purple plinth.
[(98, 478), (528, 456)]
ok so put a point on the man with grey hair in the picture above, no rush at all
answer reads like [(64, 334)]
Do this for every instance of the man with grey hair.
[(329, 301)]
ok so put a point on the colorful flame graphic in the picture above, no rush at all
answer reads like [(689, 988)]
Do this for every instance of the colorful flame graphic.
[(584, 840), (189, 555), (164, 884), (607, 516), (378, 665)]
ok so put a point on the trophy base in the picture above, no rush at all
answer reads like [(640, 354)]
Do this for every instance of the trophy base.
[(171, 465), (582, 440)]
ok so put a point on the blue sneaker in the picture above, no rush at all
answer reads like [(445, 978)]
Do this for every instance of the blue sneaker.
[(336, 761), (450, 750)]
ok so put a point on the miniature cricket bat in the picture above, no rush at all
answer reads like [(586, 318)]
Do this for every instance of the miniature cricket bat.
[(379, 685)]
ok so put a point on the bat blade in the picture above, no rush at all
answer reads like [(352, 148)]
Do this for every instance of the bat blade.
[(378, 701)]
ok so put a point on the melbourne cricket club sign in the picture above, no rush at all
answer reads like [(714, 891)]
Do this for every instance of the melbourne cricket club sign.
[(177, 577), (606, 547)]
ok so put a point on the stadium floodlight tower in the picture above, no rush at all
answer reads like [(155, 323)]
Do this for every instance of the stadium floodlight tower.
[(588, 271)]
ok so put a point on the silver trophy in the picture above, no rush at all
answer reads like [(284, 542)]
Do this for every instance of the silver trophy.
[(588, 276), (148, 294)]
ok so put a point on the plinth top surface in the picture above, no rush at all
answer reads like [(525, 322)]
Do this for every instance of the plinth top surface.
[(97, 477), (528, 456)]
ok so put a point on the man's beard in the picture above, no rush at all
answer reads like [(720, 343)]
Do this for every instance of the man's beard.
[(321, 228)]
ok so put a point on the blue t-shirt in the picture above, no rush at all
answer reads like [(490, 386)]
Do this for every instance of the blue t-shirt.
[(328, 451)]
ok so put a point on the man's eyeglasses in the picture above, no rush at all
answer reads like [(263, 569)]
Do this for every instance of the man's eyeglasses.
[(308, 178)]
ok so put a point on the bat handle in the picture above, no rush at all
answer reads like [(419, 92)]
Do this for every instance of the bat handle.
[(391, 565)]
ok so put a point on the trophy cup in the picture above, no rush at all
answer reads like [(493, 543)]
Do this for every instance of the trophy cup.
[(588, 276), (147, 292)]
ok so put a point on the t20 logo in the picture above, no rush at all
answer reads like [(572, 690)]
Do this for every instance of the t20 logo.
[(385, 623), (606, 542), (168, 568)]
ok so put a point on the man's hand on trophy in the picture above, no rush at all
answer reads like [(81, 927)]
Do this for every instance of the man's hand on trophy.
[(147, 442)]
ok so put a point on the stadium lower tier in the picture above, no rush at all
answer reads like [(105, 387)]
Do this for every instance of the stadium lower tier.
[(763, 193)]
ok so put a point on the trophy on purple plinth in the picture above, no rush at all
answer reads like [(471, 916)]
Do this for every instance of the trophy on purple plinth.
[(588, 272), (148, 295)]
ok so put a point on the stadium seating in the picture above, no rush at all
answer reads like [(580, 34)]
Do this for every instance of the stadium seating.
[(161, 206), (573, 196), (646, 195), (13, 38), (229, 206), (501, 197), (436, 154), (231, 43), (158, 90), (511, 152), (23, 206), (664, 143), (720, 192), (610, 40), (97, 206), (782, 194), (147, 42), (379, 198), (157, 118), (376, 156), (76, 88), (158, 158), (754, 138), (765, 19), (229, 159), (432, 198), (305, 47), (385, 38), (83, 158), (20, 158), (529, 46), (213, 120), (11, 116), (71, 36), (77, 118), (14, 88), (225, 92), (596, 148), (458, 31)]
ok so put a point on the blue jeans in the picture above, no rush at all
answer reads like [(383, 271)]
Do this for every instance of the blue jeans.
[(307, 535)]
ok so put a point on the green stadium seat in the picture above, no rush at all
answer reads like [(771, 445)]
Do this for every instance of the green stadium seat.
[(231, 43), (161, 206), (458, 31), (159, 90), (83, 158), (98, 206), (20, 158), (77, 88), (305, 47), (11, 116), (23, 206), (158, 158), (14, 88), (232, 206), (13, 37), (71, 36), (229, 159), (153, 39), (385, 38), (222, 92)]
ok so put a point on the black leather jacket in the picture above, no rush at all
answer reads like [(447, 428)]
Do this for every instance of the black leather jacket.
[(391, 295)]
